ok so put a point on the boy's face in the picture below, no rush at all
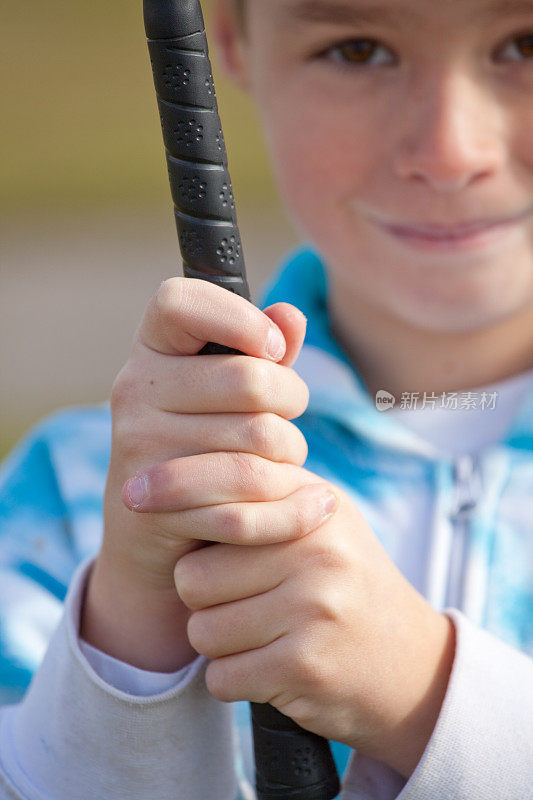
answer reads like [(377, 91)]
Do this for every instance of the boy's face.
[(420, 116)]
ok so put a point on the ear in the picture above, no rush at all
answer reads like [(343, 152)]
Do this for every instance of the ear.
[(230, 41)]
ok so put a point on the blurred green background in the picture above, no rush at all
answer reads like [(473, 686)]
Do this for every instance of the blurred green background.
[(87, 229)]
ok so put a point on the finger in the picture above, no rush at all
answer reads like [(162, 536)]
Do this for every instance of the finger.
[(254, 524), (223, 573), (212, 384), (232, 627), (258, 675), (210, 479), (185, 313), (173, 435), (293, 325)]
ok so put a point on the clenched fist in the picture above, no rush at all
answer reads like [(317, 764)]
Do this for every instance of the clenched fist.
[(202, 451)]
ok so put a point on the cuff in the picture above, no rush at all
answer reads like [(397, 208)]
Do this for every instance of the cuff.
[(133, 680), (75, 737)]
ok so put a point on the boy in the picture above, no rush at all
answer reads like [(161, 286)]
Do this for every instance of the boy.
[(400, 624)]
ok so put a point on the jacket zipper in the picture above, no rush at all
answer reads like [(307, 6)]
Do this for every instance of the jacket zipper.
[(467, 487)]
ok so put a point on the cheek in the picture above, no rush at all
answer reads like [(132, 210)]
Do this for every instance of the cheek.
[(321, 157), (521, 144)]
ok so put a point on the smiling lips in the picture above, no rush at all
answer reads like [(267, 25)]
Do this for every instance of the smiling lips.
[(473, 233), (444, 233)]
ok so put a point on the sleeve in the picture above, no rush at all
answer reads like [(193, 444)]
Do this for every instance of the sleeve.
[(74, 737), (482, 744)]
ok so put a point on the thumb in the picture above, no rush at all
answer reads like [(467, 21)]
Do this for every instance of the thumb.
[(292, 324)]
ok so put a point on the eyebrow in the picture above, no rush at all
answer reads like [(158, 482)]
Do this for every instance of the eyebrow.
[(354, 13), (335, 13), (504, 7)]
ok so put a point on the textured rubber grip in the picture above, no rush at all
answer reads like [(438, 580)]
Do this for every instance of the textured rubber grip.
[(200, 184), (291, 763)]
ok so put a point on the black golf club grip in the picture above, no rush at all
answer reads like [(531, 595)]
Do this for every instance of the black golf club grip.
[(290, 762)]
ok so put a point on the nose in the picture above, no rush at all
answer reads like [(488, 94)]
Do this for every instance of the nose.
[(449, 137)]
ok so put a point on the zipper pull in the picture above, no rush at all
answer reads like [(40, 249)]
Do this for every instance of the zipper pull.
[(467, 487)]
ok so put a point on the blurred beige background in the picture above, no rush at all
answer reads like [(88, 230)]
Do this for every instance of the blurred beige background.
[(87, 232)]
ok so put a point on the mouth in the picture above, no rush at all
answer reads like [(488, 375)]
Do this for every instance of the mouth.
[(456, 238)]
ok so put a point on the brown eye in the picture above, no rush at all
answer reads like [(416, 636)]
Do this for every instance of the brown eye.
[(525, 46), (359, 52)]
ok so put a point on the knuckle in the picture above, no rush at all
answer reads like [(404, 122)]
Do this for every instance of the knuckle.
[(128, 435), (135, 436), (327, 603), (262, 431), (251, 380), (301, 710), (297, 445), (187, 582), (216, 682), (122, 431), (197, 632), (127, 438), (332, 556), (299, 396), (234, 527), (122, 389), (304, 663), (273, 437), (168, 297)]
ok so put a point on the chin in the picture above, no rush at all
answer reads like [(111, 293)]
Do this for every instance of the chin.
[(461, 317), (465, 302)]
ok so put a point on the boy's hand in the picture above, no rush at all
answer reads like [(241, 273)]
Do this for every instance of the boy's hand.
[(327, 629), (212, 433)]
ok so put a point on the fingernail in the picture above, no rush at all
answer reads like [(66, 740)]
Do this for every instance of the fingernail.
[(328, 503), (136, 490), (275, 344)]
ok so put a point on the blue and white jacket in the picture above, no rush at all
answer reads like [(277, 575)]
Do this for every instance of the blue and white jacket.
[(71, 728)]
